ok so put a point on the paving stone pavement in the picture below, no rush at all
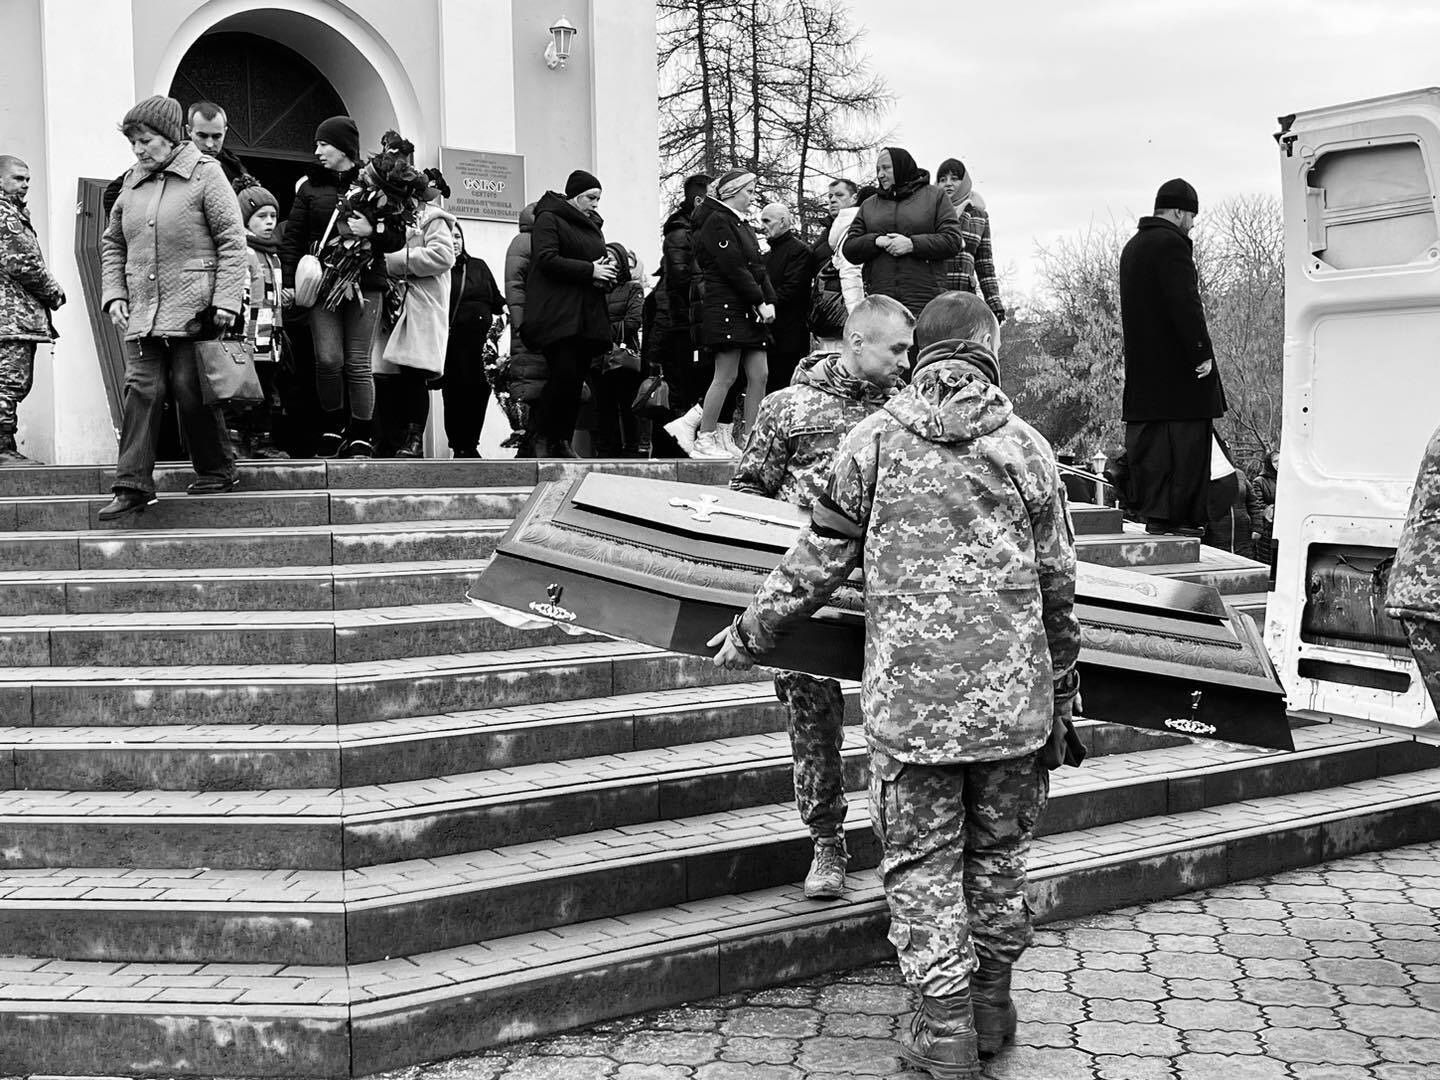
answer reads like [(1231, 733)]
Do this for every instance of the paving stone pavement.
[(1326, 973)]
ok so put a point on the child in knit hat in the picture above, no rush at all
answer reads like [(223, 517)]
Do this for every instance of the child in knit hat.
[(263, 316)]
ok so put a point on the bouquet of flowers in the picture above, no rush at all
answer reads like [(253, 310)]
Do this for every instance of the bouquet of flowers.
[(387, 194), (497, 370)]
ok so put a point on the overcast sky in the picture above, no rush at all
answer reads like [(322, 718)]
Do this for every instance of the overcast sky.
[(1069, 112)]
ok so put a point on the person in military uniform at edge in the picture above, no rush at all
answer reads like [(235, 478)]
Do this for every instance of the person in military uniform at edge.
[(788, 457), (955, 509)]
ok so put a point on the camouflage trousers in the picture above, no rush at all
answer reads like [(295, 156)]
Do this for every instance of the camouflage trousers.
[(955, 840), (815, 716), (1424, 638), (17, 375)]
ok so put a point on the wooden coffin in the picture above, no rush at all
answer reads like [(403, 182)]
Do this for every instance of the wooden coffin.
[(670, 564)]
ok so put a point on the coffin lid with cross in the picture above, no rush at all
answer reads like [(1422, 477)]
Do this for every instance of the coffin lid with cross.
[(669, 564)]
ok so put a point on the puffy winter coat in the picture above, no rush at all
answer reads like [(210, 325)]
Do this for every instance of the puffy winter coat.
[(562, 301), (624, 305), (954, 508), (731, 278), (174, 247), (517, 268), (1166, 338), (424, 263), (309, 218), (799, 428), (28, 291), (678, 264), (920, 211)]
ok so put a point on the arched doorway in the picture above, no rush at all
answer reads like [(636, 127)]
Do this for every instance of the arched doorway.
[(273, 99)]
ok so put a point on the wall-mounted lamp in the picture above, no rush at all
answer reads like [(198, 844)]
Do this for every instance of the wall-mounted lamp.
[(562, 34)]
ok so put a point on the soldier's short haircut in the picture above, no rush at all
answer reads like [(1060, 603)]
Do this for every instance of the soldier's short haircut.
[(848, 185), (874, 310), (10, 161), (206, 110), (955, 316)]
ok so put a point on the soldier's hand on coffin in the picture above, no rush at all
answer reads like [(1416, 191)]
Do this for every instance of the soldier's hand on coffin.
[(730, 656)]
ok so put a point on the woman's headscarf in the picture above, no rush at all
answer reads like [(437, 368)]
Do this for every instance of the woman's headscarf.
[(902, 165)]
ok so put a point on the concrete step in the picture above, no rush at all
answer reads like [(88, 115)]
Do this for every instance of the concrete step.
[(108, 1018), (420, 905), (240, 757), (263, 509), (338, 475), (238, 637), (462, 813), (193, 549), (281, 588), (277, 693)]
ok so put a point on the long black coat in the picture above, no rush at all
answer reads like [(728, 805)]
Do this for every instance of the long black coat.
[(1165, 333), (730, 273), (791, 266), (562, 300)]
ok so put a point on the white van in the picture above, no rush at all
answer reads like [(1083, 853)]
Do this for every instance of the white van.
[(1362, 397)]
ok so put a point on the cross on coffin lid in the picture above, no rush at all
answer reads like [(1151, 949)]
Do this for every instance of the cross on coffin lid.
[(676, 516)]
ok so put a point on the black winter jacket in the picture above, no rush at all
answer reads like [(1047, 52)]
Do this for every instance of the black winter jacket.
[(475, 298), (791, 266), (562, 300), (730, 274), (315, 201), (678, 263), (921, 211), (1164, 325)]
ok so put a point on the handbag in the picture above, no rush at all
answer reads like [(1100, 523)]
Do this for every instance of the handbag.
[(409, 345), (620, 358), (308, 270), (827, 314), (652, 400), (227, 372)]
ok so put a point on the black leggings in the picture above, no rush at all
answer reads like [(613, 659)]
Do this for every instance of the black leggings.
[(467, 389), (567, 360)]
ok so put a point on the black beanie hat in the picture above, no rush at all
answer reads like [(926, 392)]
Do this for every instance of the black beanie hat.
[(342, 133), (1177, 195), (580, 181)]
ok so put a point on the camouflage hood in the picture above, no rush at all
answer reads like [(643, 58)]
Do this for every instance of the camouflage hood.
[(952, 398), (825, 373)]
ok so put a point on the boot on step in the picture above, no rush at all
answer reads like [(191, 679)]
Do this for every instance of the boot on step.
[(412, 443)]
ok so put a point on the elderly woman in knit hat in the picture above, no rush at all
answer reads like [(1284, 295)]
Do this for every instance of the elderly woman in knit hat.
[(566, 316), (737, 304), (173, 269)]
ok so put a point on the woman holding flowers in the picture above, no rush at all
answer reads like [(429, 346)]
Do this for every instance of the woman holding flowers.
[(343, 211)]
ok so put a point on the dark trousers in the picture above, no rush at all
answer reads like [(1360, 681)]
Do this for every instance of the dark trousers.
[(342, 354), (467, 389), (402, 400), (1169, 471), (617, 429), (154, 366), (568, 361)]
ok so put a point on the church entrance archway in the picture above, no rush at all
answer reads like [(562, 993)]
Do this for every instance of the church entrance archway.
[(273, 99)]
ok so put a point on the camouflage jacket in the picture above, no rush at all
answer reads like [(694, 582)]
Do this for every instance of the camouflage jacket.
[(799, 428), (955, 508), (28, 291), (1414, 589)]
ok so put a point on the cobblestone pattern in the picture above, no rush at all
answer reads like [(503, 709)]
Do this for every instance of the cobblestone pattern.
[(1328, 973)]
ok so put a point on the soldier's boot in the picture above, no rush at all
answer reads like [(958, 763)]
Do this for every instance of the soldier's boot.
[(994, 1010), (942, 1038), (826, 879), (9, 453)]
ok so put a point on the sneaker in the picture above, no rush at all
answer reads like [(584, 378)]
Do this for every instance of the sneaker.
[(358, 447), (685, 429), (728, 441), (329, 444), (826, 879), (212, 485), (708, 447), (127, 501)]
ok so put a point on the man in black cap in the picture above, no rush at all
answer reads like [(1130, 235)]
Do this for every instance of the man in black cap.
[(1172, 386)]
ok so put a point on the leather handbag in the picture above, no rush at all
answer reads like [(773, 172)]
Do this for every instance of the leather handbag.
[(620, 358), (227, 372), (652, 400), (308, 270)]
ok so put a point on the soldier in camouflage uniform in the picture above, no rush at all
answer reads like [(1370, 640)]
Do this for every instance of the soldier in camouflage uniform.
[(788, 457), (954, 507), (28, 293), (1413, 595)]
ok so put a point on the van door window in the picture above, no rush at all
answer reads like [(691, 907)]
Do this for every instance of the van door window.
[(1370, 206)]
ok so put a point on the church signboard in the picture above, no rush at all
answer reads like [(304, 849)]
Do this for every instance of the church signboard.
[(484, 186)]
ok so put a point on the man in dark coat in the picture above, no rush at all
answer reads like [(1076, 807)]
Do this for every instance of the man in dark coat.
[(904, 234), (1172, 386), (791, 266)]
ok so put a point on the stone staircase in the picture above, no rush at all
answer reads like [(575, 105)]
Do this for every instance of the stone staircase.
[(274, 801)]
